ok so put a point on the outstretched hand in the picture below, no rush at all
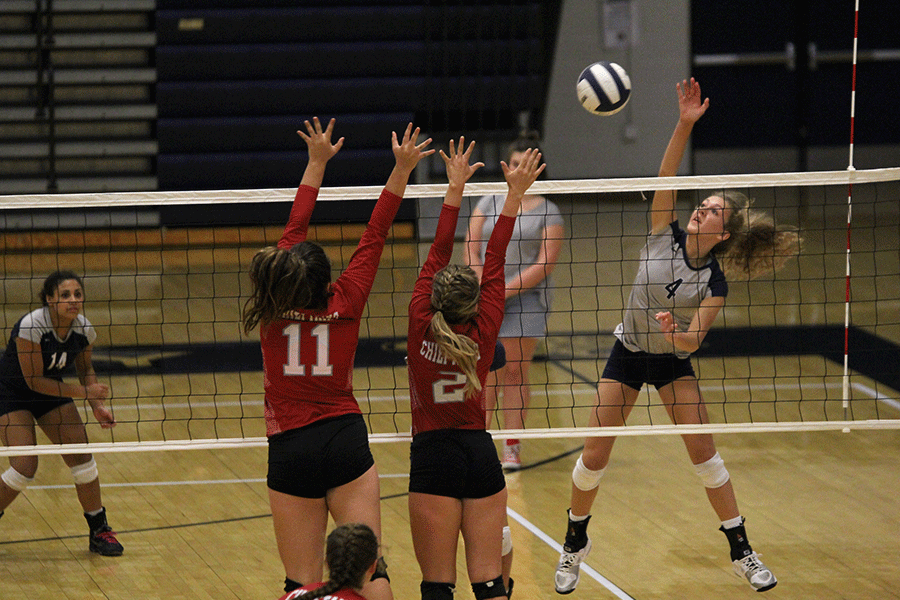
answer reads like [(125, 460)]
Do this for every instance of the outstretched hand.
[(691, 105), (408, 153), (520, 178), (318, 142), (458, 168)]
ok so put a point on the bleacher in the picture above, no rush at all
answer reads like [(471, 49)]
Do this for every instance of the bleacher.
[(203, 94)]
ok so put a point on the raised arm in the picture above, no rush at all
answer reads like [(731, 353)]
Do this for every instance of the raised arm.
[(493, 285), (363, 265), (519, 179), (321, 150), (407, 155), (691, 107), (459, 171)]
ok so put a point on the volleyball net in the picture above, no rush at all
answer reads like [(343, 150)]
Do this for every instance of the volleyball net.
[(811, 347)]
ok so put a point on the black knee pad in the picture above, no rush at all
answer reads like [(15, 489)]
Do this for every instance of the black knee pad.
[(432, 590), (489, 589), (290, 585), (380, 570)]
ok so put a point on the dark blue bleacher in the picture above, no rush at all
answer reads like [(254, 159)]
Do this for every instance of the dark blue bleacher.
[(236, 79)]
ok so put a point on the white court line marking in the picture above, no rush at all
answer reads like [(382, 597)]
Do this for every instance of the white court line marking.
[(585, 569), (875, 395)]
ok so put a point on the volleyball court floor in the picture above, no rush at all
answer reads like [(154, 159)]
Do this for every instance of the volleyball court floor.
[(821, 507)]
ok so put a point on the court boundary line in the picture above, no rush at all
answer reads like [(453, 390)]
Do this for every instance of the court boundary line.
[(585, 568)]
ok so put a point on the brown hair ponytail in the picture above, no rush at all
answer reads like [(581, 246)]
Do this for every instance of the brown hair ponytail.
[(285, 280), (349, 552)]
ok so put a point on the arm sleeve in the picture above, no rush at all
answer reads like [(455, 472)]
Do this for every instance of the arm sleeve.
[(493, 282), (439, 255), (301, 212), (360, 273)]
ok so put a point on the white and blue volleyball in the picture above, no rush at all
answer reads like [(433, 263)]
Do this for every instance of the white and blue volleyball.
[(603, 88)]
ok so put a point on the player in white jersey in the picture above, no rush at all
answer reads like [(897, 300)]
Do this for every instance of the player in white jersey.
[(42, 345), (677, 294)]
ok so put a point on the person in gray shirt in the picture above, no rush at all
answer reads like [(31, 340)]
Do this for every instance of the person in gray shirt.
[(530, 259), (678, 292)]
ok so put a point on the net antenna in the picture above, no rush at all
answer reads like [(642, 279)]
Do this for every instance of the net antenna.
[(850, 167)]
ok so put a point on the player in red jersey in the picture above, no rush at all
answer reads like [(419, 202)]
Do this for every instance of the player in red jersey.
[(319, 458), (456, 484), (351, 552)]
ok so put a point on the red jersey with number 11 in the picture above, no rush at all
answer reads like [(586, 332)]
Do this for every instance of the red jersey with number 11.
[(436, 383), (308, 355)]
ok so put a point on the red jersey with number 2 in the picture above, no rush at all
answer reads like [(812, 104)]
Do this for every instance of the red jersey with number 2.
[(436, 383), (308, 355)]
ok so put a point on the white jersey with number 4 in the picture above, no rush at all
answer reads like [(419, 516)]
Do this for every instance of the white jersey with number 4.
[(665, 281)]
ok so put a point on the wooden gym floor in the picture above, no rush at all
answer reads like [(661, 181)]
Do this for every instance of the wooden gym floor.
[(821, 507)]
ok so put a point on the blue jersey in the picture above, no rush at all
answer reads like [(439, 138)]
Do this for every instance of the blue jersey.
[(58, 354)]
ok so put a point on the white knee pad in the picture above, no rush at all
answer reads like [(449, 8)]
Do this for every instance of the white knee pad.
[(16, 480), (712, 473), (85, 473), (507, 541), (585, 479)]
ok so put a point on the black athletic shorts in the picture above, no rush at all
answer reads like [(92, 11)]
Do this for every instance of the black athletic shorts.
[(459, 463), (38, 407), (309, 461), (634, 369)]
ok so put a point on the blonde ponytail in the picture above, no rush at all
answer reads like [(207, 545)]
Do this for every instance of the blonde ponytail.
[(756, 245), (461, 349), (454, 297)]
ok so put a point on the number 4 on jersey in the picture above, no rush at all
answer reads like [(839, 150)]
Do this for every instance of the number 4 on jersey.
[(672, 287)]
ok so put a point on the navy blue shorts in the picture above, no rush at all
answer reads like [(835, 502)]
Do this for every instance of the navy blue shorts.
[(458, 463), (309, 461), (634, 369), (38, 407)]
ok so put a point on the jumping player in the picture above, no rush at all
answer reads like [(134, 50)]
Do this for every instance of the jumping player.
[(456, 484), (319, 457), (679, 290)]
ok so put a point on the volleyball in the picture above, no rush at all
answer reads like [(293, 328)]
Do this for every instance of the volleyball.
[(603, 88)]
